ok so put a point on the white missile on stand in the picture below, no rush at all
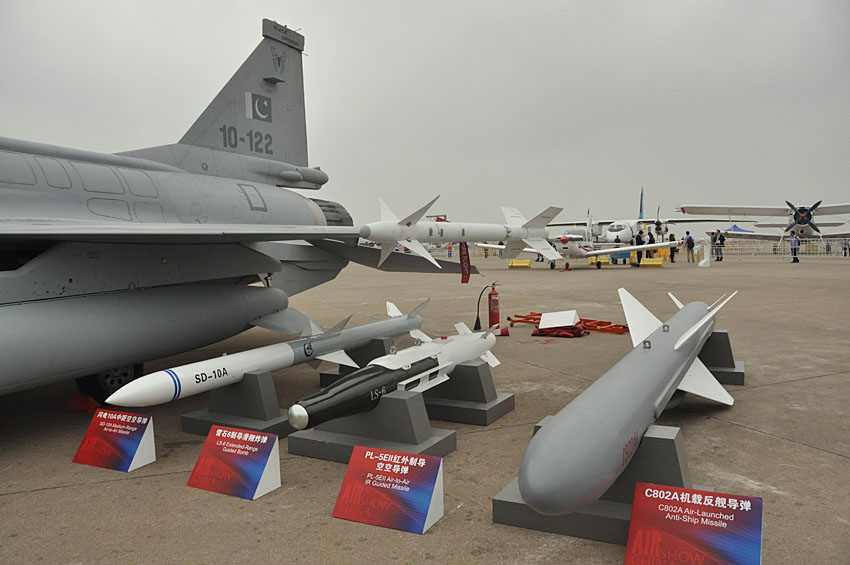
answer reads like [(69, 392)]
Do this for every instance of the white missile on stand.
[(195, 378), (410, 232)]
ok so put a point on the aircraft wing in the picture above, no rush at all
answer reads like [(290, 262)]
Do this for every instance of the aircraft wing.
[(736, 210), (630, 248), (775, 237), (134, 232)]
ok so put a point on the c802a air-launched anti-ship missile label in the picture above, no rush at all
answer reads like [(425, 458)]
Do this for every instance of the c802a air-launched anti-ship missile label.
[(403, 491), (682, 525)]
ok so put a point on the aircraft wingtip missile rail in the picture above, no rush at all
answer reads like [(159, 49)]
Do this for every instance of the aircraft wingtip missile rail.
[(194, 378)]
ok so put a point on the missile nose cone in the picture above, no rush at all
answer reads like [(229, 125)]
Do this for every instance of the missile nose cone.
[(569, 463), (298, 417), (365, 232)]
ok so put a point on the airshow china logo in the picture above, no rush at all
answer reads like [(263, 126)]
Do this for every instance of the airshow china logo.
[(258, 107)]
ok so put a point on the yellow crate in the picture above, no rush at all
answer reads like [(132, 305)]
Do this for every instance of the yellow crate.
[(519, 264), (601, 258), (653, 262)]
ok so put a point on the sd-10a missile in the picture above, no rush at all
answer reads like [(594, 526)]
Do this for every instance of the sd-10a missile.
[(416, 368), (194, 378), (411, 232), (577, 455)]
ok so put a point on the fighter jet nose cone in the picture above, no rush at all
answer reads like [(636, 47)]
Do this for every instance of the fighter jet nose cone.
[(365, 232), (298, 417)]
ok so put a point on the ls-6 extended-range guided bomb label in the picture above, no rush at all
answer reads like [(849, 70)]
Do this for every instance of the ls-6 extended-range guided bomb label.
[(242, 463), (117, 440), (682, 525), (403, 491)]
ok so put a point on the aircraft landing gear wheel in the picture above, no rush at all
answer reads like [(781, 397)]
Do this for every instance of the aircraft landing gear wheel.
[(598, 265), (101, 385), (551, 265)]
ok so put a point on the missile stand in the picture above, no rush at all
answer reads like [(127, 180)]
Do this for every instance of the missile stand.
[(399, 423), (660, 459), (468, 397), (250, 404)]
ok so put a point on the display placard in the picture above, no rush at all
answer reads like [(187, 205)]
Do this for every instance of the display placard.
[(117, 440), (236, 462), (681, 525), (403, 491)]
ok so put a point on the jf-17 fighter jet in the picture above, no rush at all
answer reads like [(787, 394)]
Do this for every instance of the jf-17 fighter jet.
[(110, 260)]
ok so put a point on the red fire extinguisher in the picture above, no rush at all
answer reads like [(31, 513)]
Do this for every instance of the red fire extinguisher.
[(493, 306)]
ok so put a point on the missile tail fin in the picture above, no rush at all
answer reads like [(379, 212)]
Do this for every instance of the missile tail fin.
[(490, 359), (544, 218), (417, 215), (699, 380), (339, 357), (716, 301), (338, 327), (676, 301), (420, 335), (415, 246), (392, 310), (543, 247), (386, 251), (641, 321), (462, 328), (418, 310), (513, 217), (704, 320), (490, 330), (387, 215)]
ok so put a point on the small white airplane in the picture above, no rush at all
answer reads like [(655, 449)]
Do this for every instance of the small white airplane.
[(573, 246), (799, 218), (622, 231)]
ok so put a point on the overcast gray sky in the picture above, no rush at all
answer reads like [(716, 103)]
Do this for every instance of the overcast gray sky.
[(489, 103)]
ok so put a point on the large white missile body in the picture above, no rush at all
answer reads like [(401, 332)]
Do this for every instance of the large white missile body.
[(576, 456), (410, 232), (195, 378), (416, 368)]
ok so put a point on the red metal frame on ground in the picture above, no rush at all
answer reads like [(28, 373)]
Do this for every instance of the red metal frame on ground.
[(592, 325)]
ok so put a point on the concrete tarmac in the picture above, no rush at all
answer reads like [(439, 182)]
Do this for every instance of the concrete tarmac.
[(786, 439)]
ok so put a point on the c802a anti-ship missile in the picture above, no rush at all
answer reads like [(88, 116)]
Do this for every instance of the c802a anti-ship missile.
[(416, 368), (576, 456), (195, 378)]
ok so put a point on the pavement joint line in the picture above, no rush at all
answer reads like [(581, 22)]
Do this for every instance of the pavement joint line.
[(775, 436), (754, 387), (116, 480)]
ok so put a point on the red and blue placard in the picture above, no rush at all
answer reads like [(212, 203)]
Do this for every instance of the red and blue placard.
[(236, 462), (681, 525), (117, 440), (403, 491)]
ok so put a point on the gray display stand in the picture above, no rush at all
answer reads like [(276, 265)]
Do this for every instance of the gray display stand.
[(399, 423), (250, 404), (468, 397), (717, 356), (660, 459), (362, 355)]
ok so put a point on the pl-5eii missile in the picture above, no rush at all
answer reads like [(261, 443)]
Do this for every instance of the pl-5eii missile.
[(194, 378), (411, 232), (577, 455), (416, 368)]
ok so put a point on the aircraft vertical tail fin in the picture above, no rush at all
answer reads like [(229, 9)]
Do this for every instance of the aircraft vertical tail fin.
[(640, 216), (260, 111)]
